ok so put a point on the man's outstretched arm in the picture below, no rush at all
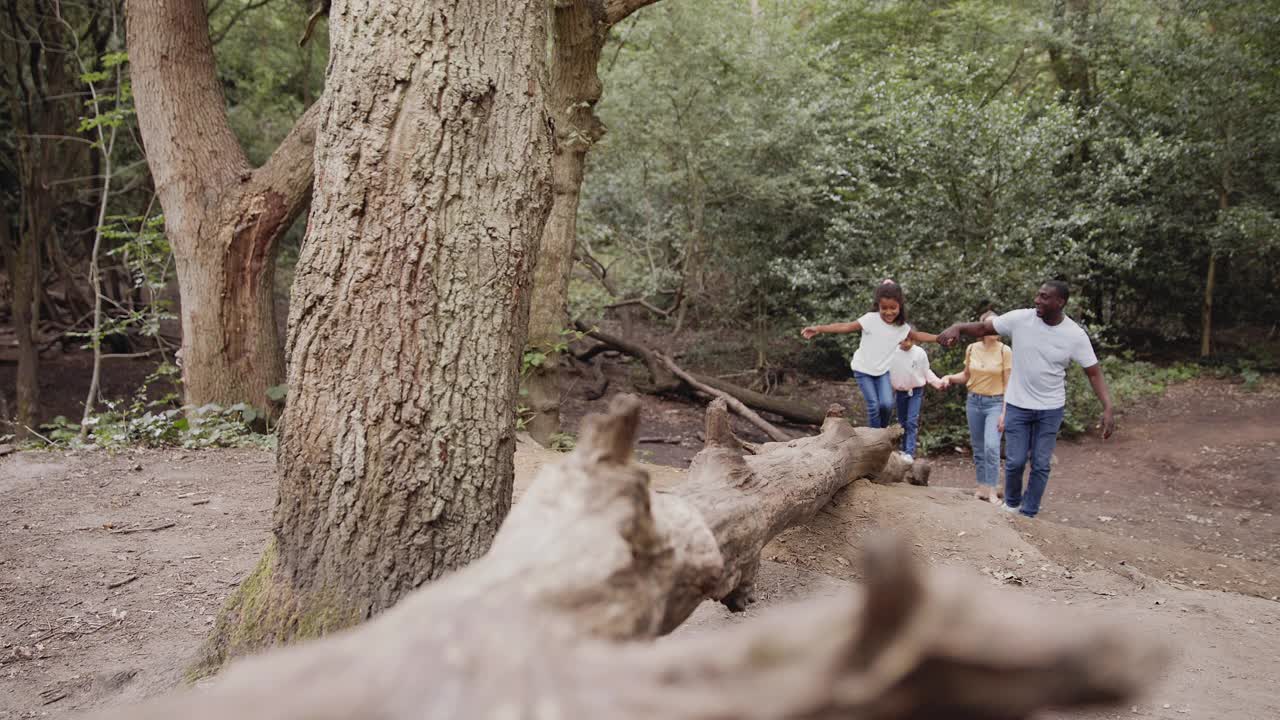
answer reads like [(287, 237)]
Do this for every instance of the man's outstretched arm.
[(1099, 384), (978, 329)]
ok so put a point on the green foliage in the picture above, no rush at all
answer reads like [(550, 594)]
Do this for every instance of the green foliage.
[(144, 422), (771, 169), (563, 442)]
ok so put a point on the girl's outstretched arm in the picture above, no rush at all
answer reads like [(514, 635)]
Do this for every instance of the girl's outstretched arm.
[(835, 328), (921, 336)]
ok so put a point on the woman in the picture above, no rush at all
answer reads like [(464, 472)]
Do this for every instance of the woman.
[(987, 366)]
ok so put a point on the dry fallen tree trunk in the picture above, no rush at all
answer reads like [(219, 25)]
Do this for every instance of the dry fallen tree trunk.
[(664, 382), (591, 555), (764, 425)]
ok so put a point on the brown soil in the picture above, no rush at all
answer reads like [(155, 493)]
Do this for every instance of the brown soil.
[(103, 601)]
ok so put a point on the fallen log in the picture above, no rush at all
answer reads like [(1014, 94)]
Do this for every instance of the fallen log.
[(746, 412), (663, 382), (591, 555)]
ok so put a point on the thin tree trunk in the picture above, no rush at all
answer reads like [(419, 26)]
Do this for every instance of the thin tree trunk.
[(20, 262), (408, 314), (223, 218), (579, 29), (22, 258), (1206, 307), (106, 146)]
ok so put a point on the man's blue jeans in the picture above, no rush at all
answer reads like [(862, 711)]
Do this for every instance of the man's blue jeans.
[(909, 402), (983, 412), (878, 394), (1029, 435)]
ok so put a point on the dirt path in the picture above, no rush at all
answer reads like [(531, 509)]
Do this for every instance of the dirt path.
[(102, 600)]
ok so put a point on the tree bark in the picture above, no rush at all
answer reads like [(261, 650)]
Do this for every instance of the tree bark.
[(1211, 278), (578, 32), (408, 314), (533, 629), (224, 218), (579, 29)]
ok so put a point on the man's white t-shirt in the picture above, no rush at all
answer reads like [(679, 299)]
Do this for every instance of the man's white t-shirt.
[(1041, 355), (878, 343)]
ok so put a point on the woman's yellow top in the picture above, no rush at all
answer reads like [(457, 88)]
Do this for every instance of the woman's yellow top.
[(988, 368)]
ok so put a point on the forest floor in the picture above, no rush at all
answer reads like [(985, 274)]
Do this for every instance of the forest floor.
[(112, 567)]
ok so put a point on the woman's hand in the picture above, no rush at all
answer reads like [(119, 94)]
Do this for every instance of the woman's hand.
[(1000, 423), (809, 332)]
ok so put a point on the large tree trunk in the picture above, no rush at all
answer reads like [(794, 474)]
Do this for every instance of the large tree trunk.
[(579, 29), (408, 314), (224, 219), (591, 555)]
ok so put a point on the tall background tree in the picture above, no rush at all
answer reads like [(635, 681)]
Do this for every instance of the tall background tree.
[(224, 218)]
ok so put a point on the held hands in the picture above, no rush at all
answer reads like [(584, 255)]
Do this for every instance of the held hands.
[(941, 384), (949, 337), (809, 332)]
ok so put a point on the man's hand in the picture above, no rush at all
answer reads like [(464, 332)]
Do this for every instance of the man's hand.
[(809, 332), (950, 336), (1108, 423)]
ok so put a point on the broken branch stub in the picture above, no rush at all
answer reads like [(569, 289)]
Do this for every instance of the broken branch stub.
[(591, 555)]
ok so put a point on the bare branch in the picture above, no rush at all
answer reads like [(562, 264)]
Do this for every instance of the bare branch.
[(236, 16), (617, 10)]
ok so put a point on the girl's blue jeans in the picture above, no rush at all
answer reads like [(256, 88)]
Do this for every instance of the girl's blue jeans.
[(984, 415), (909, 403), (878, 395)]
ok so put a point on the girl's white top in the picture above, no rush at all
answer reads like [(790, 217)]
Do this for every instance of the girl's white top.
[(909, 369), (878, 344)]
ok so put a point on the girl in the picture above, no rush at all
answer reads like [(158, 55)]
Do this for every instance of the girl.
[(987, 366), (882, 330), (909, 371)]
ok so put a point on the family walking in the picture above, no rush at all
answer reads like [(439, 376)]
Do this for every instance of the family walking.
[(1019, 392)]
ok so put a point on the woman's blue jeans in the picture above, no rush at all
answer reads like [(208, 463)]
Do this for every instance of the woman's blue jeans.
[(878, 395), (984, 416)]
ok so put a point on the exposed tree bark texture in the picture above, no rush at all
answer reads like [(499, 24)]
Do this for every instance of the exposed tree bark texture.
[(664, 382), (408, 315), (223, 217), (578, 30), (531, 629)]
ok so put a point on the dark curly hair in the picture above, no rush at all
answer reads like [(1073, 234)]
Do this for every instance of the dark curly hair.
[(890, 290)]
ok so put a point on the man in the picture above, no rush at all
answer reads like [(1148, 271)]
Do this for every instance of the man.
[(1045, 341)]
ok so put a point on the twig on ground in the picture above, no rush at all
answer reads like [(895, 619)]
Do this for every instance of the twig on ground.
[(121, 583), (126, 531)]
